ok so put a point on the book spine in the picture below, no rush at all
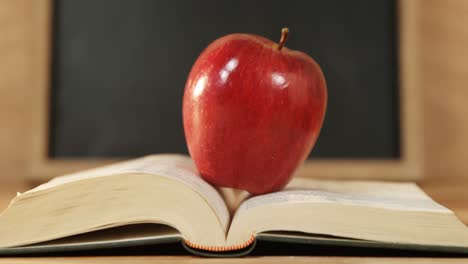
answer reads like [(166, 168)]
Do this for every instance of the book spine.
[(220, 248)]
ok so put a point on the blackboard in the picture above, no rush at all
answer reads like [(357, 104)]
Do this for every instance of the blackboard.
[(119, 68)]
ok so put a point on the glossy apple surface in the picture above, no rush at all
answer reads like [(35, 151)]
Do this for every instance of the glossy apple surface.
[(252, 111)]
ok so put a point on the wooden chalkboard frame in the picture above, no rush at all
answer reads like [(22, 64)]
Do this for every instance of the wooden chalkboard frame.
[(407, 167)]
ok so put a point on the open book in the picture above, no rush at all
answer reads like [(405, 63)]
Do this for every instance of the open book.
[(161, 199)]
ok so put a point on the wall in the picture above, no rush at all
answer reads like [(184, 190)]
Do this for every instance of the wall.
[(445, 78), (14, 40), (444, 46)]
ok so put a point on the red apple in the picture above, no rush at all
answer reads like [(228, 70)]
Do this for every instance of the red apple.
[(252, 111)]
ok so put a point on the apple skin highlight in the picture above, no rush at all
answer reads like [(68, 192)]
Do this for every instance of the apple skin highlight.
[(252, 112)]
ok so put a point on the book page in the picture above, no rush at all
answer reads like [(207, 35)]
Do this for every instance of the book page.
[(388, 195), (379, 211), (177, 167)]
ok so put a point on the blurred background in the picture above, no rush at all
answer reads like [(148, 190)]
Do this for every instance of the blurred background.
[(155, 60)]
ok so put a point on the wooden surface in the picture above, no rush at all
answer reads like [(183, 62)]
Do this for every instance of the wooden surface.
[(452, 195)]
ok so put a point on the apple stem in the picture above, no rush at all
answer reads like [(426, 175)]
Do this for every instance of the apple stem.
[(284, 37)]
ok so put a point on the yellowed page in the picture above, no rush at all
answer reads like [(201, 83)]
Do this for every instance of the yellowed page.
[(386, 195), (177, 167), (394, 212)]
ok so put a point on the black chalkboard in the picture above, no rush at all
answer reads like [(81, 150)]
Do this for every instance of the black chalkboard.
[(119, 69)]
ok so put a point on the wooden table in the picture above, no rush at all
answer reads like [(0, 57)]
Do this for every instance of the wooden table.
[(453, 195)]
